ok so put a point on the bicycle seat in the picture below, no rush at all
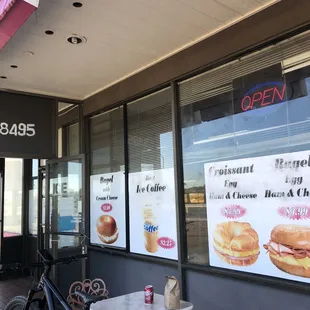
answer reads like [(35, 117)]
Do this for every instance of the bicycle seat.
[(88, 298)]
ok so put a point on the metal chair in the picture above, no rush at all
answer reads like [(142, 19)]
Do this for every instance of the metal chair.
[(92, 287)]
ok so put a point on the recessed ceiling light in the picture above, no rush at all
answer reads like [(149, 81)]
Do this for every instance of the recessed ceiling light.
[(77, 4), (49, 32), (3, 77), (76, 39), (14, 66)]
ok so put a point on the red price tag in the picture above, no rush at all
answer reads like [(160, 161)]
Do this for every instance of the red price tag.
[(106, 207), (233, 211), (166, 243), (300, 212)]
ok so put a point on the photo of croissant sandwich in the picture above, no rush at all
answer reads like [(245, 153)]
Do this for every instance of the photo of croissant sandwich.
[(236, 243), (289, 249)]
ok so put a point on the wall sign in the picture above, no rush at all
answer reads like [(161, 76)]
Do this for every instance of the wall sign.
[(152, 213), (259, 215), (27, 126), (107, 209)]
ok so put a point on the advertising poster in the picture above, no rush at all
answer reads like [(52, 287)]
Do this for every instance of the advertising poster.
[(107, 209), (259, 215), (153, 213)]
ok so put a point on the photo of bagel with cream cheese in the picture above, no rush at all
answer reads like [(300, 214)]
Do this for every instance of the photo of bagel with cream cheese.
[(236, 243), (289, 249), (107, 229)]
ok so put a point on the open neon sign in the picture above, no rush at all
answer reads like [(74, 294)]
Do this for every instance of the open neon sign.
[(263, 95)]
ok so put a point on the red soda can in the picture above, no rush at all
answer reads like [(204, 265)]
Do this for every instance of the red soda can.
[(149, 294)]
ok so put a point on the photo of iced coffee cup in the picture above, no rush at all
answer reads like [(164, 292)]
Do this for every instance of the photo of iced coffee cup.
[(150, 230)]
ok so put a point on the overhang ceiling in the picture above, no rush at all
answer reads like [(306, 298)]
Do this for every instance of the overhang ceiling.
[(122, 38)]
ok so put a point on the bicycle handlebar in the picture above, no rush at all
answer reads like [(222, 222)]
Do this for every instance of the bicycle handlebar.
[(48, 259), (66, 260)]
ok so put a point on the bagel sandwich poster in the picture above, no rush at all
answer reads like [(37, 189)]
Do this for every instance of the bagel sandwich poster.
[(153, 213), (107, 210), (258, 212)]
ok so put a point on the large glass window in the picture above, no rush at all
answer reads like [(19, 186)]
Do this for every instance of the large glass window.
[(72, 140), (107, 181), (13, 193), (214, 128), (151, 176), (107, 142), (150, 133)]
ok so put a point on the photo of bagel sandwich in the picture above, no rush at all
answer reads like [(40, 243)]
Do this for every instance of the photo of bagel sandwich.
[(236, 243), (289, 249), (107, 229)]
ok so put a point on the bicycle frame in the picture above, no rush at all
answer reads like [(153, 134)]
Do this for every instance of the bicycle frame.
[(50, 290), (47, 286)]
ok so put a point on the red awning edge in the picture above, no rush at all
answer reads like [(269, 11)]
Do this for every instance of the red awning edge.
[(14, 17), (5, 6)]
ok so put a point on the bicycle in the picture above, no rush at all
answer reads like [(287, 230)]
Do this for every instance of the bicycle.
[(49, 289)]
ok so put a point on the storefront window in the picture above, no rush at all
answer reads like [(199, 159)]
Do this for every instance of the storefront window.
[(258, 113), (33, 199), (72, 140), (13, 193), (107, 181), (150, 133), (151, 176), (107, 142)]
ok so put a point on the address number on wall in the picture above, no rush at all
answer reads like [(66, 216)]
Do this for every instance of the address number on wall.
[(20, 129)]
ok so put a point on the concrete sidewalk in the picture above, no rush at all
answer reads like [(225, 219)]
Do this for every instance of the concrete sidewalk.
[(13, 287)]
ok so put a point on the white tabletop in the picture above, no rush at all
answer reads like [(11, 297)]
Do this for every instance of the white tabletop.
[(135, 301)]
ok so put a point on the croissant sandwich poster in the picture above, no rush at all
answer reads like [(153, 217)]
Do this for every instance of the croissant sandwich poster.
[(258, 213)]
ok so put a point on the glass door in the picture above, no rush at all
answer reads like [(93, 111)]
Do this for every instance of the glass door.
[(65, 214)]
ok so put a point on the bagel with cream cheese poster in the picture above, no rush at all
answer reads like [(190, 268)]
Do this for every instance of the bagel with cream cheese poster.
[(258, 213), (107, 210)]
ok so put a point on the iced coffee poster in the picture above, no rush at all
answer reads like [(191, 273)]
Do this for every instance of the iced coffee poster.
[(153, 213), (107, 210), (258, 213)]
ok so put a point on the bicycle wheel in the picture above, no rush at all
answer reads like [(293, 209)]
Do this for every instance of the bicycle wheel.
[(19, 303)]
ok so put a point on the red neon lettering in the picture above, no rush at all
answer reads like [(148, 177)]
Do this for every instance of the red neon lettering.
[(265, 96), (249, 104), (257, 97), (281, 96)]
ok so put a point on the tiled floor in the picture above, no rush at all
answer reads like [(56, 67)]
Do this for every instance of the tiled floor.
[(13, 287)]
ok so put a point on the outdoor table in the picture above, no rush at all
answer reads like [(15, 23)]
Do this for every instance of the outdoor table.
[(135, 301)]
